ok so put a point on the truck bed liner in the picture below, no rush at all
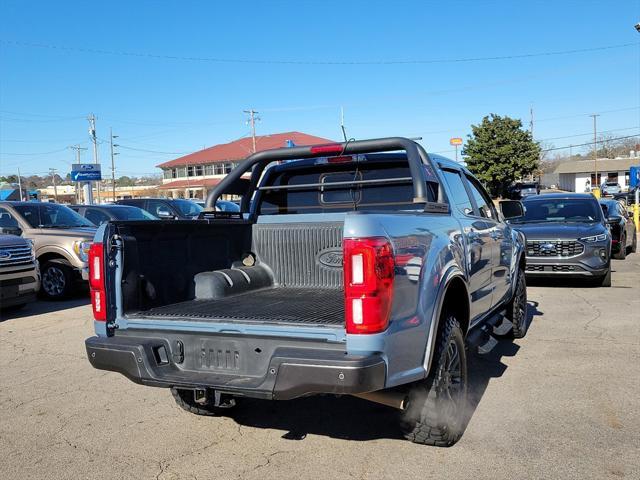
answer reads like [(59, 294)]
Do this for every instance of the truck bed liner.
[(305, 306)]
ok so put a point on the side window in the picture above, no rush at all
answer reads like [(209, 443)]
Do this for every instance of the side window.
[(7, 220), (485, 205), (457, 192), (96, 216)]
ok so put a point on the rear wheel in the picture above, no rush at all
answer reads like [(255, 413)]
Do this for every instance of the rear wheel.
[(187, 401), (57, 279), (436, 410)]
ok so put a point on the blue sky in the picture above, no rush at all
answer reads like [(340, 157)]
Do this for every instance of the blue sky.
[(159, 104)]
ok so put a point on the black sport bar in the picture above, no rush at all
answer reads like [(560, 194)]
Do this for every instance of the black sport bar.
[(416, 156)]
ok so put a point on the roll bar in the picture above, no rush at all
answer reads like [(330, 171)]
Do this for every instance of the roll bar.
[(416, 156)]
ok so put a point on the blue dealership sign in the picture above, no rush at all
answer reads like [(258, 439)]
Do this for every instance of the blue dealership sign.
[(85, 172)]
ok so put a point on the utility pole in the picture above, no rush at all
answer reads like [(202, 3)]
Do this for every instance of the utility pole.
[(52, 171), (595, 153), (531, 121), (92, 134), (19, 184), (113, 165), (252, 121), (88, 193)]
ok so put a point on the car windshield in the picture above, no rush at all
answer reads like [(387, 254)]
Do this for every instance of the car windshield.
[(187, 207), (560, 210), (131, 213), (51, 215)]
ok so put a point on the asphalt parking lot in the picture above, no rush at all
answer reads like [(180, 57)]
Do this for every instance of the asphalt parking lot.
[(561, 403)]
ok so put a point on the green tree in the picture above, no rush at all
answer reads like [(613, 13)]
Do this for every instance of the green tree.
[(125, 181), (500, 151)]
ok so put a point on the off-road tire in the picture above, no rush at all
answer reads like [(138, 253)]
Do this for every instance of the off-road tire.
[(517, 308), (433, 416), (57, 279), (621, 254), (185, 400)]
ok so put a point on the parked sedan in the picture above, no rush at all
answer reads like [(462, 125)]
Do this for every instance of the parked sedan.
[(629, 198), (99, 214), (623, 231), (166, 208)]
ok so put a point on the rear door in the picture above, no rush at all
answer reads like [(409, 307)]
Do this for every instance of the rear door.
[(477, 232)]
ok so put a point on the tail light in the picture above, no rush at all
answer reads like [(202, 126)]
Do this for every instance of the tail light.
[(96, 281), (368, 283), (331, 148)]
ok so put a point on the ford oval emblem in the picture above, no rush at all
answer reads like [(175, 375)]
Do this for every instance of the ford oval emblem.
[(331, 257), (5, 255)]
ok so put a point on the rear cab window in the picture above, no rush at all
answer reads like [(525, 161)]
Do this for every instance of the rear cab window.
[(383, 183)]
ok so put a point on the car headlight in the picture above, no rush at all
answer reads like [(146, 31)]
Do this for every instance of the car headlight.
[(594, 238), (32, 247), (82, 249)]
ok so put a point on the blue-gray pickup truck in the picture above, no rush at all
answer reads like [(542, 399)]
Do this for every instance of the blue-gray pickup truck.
[(362, 268)]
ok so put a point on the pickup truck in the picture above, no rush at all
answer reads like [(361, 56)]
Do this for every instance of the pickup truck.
[(362, 268)]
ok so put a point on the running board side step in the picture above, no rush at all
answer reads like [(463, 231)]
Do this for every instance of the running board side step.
[(482, 338)]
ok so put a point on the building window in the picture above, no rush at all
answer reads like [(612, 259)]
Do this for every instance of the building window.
[(208, 169), (227, 167), (199, 170), (167, 174), (219, 169), (174, 173), (182, 172), (190, 171)]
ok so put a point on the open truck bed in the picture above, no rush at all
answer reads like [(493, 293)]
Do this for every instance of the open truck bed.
[(290, 306)]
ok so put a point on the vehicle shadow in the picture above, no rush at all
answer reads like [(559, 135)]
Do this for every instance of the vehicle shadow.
[(351, 418), (39, 307)]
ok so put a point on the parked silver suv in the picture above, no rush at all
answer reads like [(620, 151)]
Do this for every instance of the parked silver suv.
[(61, 238)]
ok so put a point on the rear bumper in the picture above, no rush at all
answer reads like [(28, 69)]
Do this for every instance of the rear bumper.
[(287, 371)]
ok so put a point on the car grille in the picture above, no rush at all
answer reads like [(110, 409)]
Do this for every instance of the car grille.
[(15, 255), (554, 248)]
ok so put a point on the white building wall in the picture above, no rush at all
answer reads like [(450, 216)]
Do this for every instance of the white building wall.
[(581, 182)]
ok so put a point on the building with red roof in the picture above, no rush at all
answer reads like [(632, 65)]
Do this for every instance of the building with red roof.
[(191, 176)]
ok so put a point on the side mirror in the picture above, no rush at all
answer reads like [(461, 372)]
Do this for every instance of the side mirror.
[(11, 231), (164, 214), (511, 209)]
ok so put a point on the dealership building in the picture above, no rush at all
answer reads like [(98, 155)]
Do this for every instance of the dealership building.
[(574, 176), (193, 175)]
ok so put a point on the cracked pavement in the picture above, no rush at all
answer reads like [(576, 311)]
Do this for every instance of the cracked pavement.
[(561, 403)]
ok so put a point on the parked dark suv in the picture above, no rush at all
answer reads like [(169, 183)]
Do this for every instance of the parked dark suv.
[(566, 235), (166, 208), (623, 231)]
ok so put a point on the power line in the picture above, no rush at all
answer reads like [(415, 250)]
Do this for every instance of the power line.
[(313, 62), (591, 143)]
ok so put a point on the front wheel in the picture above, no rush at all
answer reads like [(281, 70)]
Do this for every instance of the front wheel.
[(436, 410), (605, 281), (57, 279), (517, 309), (621, 254)]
